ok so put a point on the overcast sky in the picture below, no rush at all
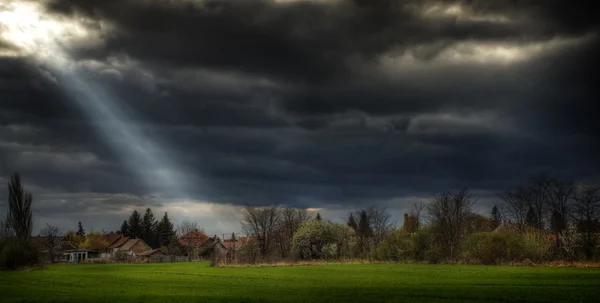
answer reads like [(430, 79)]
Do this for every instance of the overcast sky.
[(329, 104)]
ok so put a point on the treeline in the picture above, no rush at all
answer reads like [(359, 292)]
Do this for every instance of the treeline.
[(155, 233), (540, 220)]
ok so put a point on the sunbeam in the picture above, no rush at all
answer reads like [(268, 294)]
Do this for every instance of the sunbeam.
[(43, 39)]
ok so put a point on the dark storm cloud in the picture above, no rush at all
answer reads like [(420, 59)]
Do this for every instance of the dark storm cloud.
[(290, 103), (309, 41)]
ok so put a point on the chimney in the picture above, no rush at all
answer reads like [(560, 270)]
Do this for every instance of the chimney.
[(405, 217), (215, 238), (196, 230)]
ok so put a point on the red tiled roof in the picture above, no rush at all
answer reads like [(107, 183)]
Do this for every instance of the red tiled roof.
[(119, 242), (239, 242), (194, 238)]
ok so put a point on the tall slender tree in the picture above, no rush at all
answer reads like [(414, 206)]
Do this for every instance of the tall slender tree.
[(352, 223), (149, 224), (364, 231), (318, 217), (19, 209), (135, 225), (496, 217), (80, 230)]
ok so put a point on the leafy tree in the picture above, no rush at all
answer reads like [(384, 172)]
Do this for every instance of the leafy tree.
[(93, 241), (149, 224), (496, 217), (124, 229), (318, 217), (352, 223), (320, 239), (19, 210), (74, 238), (135, 225), (166, 231), (80, 230)]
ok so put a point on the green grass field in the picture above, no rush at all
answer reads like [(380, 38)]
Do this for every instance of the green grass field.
[(197, 282)]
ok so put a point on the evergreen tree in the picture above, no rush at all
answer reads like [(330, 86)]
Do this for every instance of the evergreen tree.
[(496, 217), (166, 231), (19, 219), (364, 226), (318, 217), (352, 223), (233, 238), (135, 225), (149, 228), (124, 229), (80, 230)]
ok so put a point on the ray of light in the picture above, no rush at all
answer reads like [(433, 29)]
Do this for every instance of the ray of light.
[(42, 38)]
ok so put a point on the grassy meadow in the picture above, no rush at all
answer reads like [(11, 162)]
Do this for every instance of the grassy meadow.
[(197, 282)]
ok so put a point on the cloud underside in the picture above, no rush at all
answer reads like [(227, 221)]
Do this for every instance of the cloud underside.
[(311, 103)]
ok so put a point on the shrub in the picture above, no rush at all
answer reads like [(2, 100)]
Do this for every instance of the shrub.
[(422, 241), (399, 246), (16, 256), (383, 252), (322, 240), (536, 244), (493, 248)]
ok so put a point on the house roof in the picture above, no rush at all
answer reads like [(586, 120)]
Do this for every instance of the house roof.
[(110, 238), (240, 241), (129, 244), (151, 252), (61, 244), (120, 241), (194, 238)]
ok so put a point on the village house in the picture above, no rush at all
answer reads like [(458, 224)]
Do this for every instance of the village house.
[(115, 247), (61, 245), (199, 245)]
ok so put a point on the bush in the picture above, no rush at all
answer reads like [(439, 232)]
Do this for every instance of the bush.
[(399, 246), (16, 256), (322, 240), (536, 244), (383, 252), (493, 248)]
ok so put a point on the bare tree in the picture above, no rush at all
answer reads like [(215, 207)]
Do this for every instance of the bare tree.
[(561, 194), (515, 204), (187, 226), (417, 211), (380, 220), (19, 209), (52, 236), (291, 219), (449, 214), (586, 212), (539, 188), (261, 223)]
